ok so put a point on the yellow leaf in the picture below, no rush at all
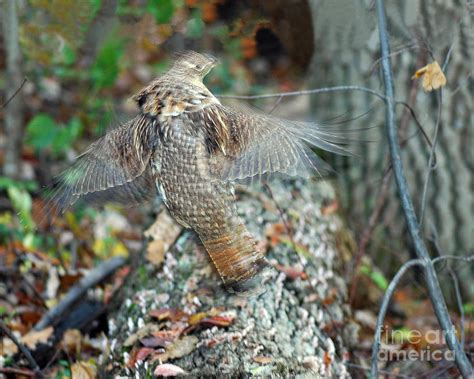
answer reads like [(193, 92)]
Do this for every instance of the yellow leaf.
[(433, 76), (83, 370), (155, 252)]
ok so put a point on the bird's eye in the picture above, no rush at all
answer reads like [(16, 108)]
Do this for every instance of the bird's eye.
[(198, 67)]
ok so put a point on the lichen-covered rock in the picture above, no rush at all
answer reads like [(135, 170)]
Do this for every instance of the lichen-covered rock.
[(298, 326)]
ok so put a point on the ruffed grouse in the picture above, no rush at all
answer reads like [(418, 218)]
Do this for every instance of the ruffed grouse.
[(192, 148)]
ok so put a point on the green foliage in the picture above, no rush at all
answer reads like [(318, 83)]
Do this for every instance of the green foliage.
[(376, 276), (42, 132), (195, 25), (6, 182), (106, 67), (64, 370), (162, 10), (469, 309)]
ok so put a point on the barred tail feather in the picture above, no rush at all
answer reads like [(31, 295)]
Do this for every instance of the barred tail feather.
[(242, 268)]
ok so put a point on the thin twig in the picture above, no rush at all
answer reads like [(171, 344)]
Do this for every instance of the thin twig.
[(453, 257), (17, 371), (431, 165), (459, 302), (25, 79), (383, 310), (25, 351), (436, 295)]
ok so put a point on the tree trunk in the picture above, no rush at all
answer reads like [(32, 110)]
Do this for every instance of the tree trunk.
[(299, 326), (14, 106)]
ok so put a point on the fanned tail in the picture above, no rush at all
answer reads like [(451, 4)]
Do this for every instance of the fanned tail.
[(242, 267)]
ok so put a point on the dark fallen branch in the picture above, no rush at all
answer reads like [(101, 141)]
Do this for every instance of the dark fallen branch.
[(432, 282), (96, 276), (24, 350)]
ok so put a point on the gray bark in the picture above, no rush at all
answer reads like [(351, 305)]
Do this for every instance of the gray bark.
[(14, 77), (302, 325)]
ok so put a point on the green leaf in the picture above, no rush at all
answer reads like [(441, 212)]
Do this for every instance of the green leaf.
[(66, 136), (22, 202), (378, 278), (195, 26), (162, 10), (6, 182), (106, 67), (469, 309), (41, 131), (69, 55)]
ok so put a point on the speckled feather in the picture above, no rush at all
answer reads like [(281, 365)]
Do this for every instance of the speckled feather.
[(193, 148)]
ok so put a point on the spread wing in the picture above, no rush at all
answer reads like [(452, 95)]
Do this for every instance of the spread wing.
[(257, 144), (114, 168)]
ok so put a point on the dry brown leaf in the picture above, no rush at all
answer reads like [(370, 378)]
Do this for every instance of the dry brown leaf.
[(221, 321), (262, 360), (171, 314), (83, 370), (7, 347), (34, 337), (167, 369), (164, 228), (141, 333), (179, 348), (155, 252), (330, 208), (433, 76), (71, 342), (139, 355)]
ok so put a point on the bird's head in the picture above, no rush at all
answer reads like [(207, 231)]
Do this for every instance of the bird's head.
[(193, 64)]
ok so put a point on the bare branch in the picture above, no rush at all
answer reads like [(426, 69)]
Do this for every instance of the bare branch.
[(25, 351), (432, 282)]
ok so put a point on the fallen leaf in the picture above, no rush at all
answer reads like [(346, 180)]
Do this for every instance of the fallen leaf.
[(33, 338), (155, 252), (167, 369), (292, 272), (165, 228), (71, 342), (141, 333), (139, 354), (433, 76), (171, 314), (330, 208), (221, 321), (83, 370), (262, 360), (274, 232), (179, 348), (327, 358), (196, 318), (52, 283)]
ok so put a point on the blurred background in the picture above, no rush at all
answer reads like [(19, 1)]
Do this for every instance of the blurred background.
[(69, 69)]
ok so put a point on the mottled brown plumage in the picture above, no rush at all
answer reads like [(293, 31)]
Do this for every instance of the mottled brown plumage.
[(193, 148)]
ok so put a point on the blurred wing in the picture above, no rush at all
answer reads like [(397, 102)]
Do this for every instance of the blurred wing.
[(115, 168), (258, 144)]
